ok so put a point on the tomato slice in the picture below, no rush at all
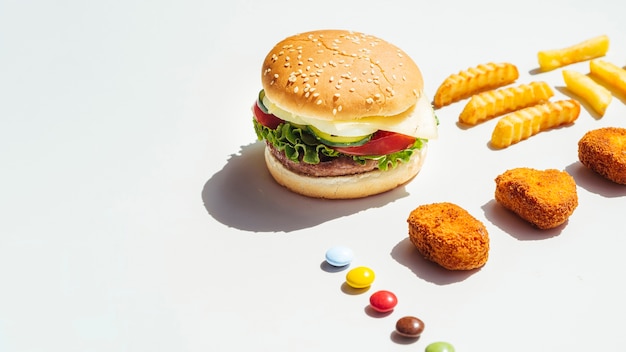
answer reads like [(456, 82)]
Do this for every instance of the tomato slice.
[(382, 143), (265, 119)]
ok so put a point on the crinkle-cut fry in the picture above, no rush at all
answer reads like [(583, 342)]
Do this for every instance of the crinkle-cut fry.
[(585, 50), (527, 122), (587, 89), (474, 80), (610, 73), (489, 104)]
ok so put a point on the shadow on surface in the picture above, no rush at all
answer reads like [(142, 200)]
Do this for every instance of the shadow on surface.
[(243, 195), (406, 254), (515, 226), (594, 182)]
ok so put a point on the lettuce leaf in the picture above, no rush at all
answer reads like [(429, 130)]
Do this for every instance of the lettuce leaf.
[(299, 144)]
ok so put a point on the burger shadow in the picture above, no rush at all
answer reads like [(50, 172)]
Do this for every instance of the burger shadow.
[(407, 254), (243, 195), (515, 226), (594, 182)]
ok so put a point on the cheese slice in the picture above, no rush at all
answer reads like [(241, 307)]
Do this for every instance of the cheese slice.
[(419, 121)]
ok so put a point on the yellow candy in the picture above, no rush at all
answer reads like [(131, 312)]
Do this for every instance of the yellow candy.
[(360, 277)]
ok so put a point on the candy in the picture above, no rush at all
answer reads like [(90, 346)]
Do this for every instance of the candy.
[(439, 347), (360, 277), (409, 326), (383, 301), (339, 256)]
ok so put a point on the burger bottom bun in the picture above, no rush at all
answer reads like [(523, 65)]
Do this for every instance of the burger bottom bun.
[(349, 186)]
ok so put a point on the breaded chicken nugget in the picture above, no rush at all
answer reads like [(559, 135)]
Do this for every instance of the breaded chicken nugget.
[(604, 151), (449, 236), (545, 198)]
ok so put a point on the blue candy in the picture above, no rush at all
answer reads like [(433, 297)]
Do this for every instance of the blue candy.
[(339, 256)]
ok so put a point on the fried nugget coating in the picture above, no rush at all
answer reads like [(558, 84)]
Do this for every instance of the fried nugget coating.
[(448, 235), (604, 151), (545, 198)]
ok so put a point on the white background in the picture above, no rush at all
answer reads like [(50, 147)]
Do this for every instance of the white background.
[(136, 213)]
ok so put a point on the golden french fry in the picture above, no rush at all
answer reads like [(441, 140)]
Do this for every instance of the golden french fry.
[(610, 73), (585, 50), (489, 104), (527, 122), (473, 80), (587, 89)]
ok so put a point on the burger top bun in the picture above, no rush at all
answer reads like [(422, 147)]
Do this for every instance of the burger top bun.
[(340, 75)]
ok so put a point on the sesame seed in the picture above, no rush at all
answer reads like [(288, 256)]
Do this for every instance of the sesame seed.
[(334, 111), (295, 89), (352, 89), (337, 95), (319, 102), (369, 101), (339, 108)]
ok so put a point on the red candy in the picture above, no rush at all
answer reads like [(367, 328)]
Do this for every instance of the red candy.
[(383, 301)]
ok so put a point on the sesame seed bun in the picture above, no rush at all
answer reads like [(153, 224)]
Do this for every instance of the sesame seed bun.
[(340, 75), (347, 186)]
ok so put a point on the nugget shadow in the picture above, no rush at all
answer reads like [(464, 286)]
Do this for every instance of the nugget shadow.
[(406, 254), (243, 195), (594, 182), (514, 225)]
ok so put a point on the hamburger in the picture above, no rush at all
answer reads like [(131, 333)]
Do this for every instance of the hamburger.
[(343, 115)]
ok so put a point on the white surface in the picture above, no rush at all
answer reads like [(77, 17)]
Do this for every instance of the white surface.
[(137, 214)]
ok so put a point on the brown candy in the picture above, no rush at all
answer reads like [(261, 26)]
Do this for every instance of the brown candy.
[(409, 326)]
